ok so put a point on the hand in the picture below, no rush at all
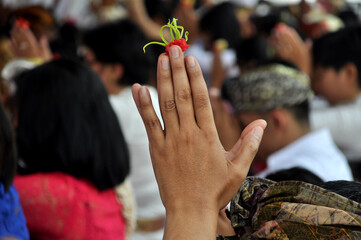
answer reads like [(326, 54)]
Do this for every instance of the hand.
[(219, 72), (227, 125), (26, 45), (196, 177), (289, 46)]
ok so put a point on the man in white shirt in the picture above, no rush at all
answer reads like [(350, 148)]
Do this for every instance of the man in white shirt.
[(336, 78), (280, 95)]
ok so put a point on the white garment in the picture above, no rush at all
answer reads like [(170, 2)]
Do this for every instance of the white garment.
[(149, 204), (205, 60), (344, 123), (315, 152)]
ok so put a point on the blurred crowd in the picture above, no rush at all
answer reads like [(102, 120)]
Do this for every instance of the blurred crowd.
[(74, 153)]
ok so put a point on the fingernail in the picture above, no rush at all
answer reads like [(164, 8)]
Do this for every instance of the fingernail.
[(190, 61), (257, 132), (174, 52), (165, 63), (143, 92)]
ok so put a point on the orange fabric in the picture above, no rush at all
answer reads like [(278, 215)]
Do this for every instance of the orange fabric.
[(59, 206)]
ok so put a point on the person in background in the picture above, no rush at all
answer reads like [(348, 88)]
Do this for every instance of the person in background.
[(280, 94), (219, 34), (73, 160), (336, 78), (115, 52), (12, 219)]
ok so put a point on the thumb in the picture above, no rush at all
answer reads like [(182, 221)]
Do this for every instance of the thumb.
[(241, 157)]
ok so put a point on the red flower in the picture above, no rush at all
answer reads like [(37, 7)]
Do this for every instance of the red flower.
[(180, 42), (22, 23)]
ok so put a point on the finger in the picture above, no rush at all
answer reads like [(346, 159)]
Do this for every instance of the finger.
[(29, 36), (151, 122), (182, 90), (15, 37), (166, 95), (201, 103), (247, 149), (241, 144), (44, 48)]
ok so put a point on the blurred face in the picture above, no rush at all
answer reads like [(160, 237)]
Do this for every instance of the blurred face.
[(268, 144), (103, 70), (327, 82)]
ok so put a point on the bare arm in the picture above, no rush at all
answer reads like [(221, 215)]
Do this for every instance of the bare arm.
[(196, 177), (138, 12)]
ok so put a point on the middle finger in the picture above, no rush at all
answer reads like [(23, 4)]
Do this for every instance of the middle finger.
[(182, 90)]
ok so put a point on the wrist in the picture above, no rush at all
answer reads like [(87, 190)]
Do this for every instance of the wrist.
[(183, 222)]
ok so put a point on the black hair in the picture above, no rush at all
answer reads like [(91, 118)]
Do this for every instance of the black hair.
[(301, 112), (348, 189), (66, 42), (122, 42), (297, 174), (7, 151), (339, 48), (251, 51), (220, 21), (66, 123), (349, 17), (163, 9)]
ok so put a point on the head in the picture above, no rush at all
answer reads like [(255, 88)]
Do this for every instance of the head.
[(7, 151), (337, 65), (251, 52), (220, 22), (274, 92), (66, 123), (161, 10), (115, 52)]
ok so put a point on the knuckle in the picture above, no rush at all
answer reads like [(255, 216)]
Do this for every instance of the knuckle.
[(145, 104), (211, 136), (188, 137), (184, 94), (152, 123), (164, 74), (178, 66), (201, 101), (195, 72), (253, 145), (169, 105)]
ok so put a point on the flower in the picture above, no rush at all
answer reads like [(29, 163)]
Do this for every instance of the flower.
[(176, 33)]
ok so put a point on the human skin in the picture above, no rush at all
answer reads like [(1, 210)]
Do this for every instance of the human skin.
[(195, 175)]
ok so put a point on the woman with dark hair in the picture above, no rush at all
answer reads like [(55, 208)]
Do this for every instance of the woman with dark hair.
[(72, 154), (12, 220), (115, 52)]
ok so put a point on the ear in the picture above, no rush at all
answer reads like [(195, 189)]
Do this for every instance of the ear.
[(117, 70), (277, 119), (349, 73)]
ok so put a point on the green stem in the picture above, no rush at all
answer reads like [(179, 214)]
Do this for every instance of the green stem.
[(159, 43)]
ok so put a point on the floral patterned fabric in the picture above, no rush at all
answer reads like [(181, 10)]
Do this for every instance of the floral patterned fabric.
[(263, 209), (59, 206)]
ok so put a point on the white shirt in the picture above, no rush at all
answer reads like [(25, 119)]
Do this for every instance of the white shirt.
[(344, 123), (149, 204), (315, 152), (205, 60)]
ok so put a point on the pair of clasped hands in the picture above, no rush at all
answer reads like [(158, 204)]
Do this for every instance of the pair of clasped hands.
[(196, 176)]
